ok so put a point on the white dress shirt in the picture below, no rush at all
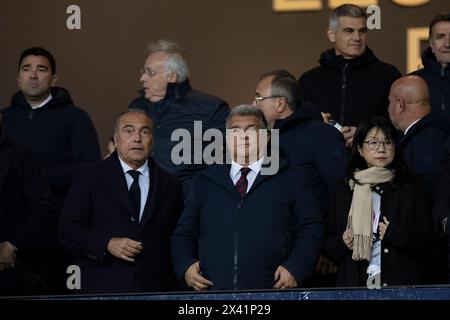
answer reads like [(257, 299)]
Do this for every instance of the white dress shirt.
[(255, 168), (144, 182)]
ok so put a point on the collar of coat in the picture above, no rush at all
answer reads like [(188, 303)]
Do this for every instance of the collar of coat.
[(432, 65), (330, 59), (60, 98)]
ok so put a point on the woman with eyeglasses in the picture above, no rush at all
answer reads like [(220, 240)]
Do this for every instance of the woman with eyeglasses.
[(379, 223)]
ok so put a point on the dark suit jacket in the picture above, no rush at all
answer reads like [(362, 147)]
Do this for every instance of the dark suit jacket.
[(27, 212), (98, 208)]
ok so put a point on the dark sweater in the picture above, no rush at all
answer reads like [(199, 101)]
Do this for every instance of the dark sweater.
[(61, 135)]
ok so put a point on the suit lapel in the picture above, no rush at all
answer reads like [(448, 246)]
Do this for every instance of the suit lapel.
[(158, 188), (116, 183), (5, 161)]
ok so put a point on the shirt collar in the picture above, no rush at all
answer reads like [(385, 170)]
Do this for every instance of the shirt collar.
[(44, 102), (410, 126), (255, 167), (143, 170)]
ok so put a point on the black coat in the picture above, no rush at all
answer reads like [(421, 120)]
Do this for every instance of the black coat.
[(179, 109), (98, 208), (351, 90), (406, 239), (423, 149), (438, 80), (27, 211), (61, 135), (316, 147), (241, 244)]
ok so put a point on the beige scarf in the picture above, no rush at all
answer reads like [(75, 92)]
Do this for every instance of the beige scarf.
[(359, 224)]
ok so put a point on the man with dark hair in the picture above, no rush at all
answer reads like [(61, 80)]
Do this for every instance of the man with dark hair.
[(169, 100), (62, 135), (243, 228), (309, 143), (436, 62), (27, 212), (351, 84), (119, 214)]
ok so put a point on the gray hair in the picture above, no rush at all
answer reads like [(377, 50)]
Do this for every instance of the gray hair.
[(246, 110), (284, 85), (345, 10), (175, 61), (120, 115)]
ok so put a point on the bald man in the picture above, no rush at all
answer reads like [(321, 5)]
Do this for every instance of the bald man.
[(424, 135)]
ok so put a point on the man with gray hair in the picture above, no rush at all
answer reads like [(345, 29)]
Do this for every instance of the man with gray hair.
[(119, 214), (169, 100), (243, 228), (351, 84)]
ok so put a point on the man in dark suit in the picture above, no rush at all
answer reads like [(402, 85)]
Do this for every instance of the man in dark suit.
[(424, 137), (119, 214), (246, 227), (27, 212)]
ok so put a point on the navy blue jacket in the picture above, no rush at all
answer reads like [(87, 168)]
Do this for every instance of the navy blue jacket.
[(423, 149), (98, 207), (351, 90), (240, 244), (438, 80), (316, 147), (179, 109), (61, 135)]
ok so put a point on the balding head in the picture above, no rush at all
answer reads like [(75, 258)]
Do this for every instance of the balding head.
[(408, 101)]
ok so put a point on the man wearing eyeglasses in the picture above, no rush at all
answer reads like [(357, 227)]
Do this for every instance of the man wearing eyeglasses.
[(308, 142), (351, 84), (170, 101), (424, 136)]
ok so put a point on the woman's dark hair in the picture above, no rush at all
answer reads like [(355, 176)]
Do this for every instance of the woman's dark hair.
[(402, 173)]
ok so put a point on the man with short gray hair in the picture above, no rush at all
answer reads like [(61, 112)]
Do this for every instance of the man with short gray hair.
[(243, 228), (351, 84), (169, 100)]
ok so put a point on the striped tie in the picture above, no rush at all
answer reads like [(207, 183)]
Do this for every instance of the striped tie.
[(242, 183)]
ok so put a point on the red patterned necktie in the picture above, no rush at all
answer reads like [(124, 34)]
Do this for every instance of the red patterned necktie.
[(242, 183)]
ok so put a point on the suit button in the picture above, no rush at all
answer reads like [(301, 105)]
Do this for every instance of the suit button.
[(385, 284), (386, 250), (132, 219), (377, 188)]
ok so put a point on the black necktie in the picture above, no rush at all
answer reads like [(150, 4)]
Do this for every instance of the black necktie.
[(135, 193), (242, 183)]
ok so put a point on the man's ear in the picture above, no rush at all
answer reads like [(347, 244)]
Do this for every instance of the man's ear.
[(331, 33), (281, 104), (172, 77), (54, 79), (115, 139), (401, 105)]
